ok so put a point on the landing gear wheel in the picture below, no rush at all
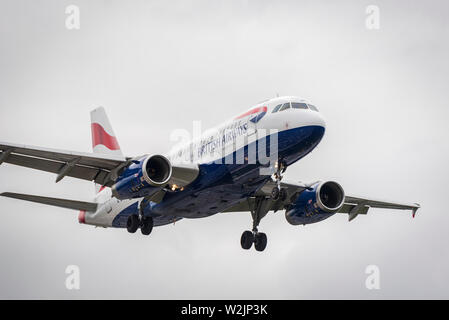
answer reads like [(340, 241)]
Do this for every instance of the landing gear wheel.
[(260, 241), (283, 194), (275, 193), (132, 224), (260, 209), (147, 225), (247, 240)]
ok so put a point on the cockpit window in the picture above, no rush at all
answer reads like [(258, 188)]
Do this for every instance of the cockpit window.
[(285, 106), (297, 105), (276, 108), (313, 107)]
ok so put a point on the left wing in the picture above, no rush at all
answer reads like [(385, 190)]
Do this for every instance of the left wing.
[(102, 169), (355, 206), (352, 205)]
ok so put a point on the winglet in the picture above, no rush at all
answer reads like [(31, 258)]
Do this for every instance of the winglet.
[(415, 209)]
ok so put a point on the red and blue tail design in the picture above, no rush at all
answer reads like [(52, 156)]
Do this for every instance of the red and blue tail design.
[(103, 137)]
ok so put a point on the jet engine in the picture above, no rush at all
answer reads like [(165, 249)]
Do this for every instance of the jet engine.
[(147, 175), (316, 203)]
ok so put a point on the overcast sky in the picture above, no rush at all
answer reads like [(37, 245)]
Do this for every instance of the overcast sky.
[(157, 66)]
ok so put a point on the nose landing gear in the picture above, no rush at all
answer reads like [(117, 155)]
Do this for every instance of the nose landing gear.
[(278, 193)]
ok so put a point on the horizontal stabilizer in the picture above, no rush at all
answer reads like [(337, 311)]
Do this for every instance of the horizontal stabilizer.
[(62, 203)]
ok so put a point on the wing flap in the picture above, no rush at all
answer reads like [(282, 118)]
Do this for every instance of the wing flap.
[(347, 207), (292, 187), (381, 204), (56, 202)]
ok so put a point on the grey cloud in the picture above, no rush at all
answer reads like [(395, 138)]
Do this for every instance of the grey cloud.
[(157, 66)]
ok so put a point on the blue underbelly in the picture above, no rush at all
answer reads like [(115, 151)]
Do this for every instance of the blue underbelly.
[(220, 186)]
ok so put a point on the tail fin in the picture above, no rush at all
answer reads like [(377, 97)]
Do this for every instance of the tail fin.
[(103, 137)]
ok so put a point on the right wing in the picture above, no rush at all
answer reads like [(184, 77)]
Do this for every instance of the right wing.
[(102, 169), (56, 202)]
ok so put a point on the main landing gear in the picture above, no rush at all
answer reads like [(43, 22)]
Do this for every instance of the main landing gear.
[(135, 222), (258, 238), (261, 207)]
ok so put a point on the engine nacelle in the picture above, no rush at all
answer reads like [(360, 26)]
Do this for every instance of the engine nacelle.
[(143, 178), (315, 204), (147, 175)]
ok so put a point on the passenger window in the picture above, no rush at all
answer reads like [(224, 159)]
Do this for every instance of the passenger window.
[(313, 107), (285, 106), (276, 108), (297, 105)]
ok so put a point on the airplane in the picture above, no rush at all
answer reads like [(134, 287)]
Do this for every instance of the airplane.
[(225, 169)]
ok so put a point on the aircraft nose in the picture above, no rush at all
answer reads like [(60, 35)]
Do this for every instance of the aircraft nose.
[(316, 118), (320, 119)]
